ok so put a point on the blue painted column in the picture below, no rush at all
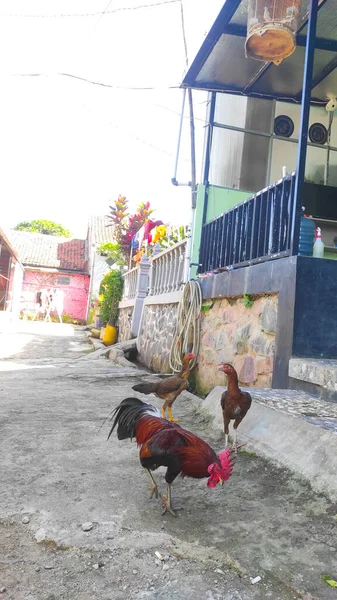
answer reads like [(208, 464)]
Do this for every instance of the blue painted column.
[(304, 122), (198, 227)]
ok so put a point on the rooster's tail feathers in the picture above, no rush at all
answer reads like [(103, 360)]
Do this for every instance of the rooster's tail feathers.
[(145, 388), (126, 415)]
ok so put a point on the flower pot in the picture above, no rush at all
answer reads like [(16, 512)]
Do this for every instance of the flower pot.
[(110, 335), (98, 322)]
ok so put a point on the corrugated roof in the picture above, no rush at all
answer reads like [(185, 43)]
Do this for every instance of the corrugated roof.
[(102, 232), (221, 64), (38, 250)]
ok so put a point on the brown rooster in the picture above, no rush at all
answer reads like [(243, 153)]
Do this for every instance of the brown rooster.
[(234, 403), (168, 389), (167, 444)]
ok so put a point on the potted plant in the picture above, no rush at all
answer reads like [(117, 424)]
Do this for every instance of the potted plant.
[(111, 289)]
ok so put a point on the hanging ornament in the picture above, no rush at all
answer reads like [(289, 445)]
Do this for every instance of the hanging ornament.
[(271, 29)]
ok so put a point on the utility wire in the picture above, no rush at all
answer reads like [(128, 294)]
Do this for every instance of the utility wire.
[(134, 136), (101, 15), (183, 30), (191, 116), (176, 112), (100, 83), (93, 14)]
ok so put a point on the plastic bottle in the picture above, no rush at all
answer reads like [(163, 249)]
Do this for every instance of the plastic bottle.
[(318, 249), (307, 236)]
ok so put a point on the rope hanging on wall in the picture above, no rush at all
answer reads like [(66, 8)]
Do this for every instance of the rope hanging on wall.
[(187, 333), (271, 29)]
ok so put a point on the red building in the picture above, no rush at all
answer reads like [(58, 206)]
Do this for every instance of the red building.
[(53, 265)]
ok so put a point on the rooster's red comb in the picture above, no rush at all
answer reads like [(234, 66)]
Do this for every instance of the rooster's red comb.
[(226, 460)]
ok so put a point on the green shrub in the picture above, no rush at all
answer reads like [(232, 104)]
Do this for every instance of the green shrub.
[(111, 290)]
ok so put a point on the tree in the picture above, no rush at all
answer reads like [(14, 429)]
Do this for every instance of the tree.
[(41, 226)]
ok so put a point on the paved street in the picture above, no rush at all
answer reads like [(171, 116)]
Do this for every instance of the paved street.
[(58, 472)]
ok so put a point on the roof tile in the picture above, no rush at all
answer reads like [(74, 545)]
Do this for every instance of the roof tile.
[(37, 249), (102, 231)]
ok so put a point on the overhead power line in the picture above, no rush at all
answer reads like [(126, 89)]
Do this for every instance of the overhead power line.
[(135, 136), (100, 83), (92, 14)]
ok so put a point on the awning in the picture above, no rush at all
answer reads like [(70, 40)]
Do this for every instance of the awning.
[(221, 64)]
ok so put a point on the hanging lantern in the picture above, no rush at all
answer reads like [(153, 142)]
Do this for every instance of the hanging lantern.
[(271, 29)]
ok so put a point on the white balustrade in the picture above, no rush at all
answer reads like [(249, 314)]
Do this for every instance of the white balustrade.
[(130, 284), (167, 270)]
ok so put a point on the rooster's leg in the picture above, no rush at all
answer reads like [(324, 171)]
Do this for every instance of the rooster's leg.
[(226, 422), (167, 501), (169, 410), (163, 412), (154, 488), (235, 447), (235, 442)]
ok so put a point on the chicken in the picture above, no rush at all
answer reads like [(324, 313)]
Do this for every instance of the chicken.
[(167, 444), (234, 403), (168, 389)]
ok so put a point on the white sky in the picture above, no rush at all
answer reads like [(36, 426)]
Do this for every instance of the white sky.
[(67, 147)]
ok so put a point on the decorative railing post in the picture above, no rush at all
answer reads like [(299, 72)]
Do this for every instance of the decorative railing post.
[(141, 292)]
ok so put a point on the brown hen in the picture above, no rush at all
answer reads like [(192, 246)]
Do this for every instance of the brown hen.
[(168, 389), (234, 403)]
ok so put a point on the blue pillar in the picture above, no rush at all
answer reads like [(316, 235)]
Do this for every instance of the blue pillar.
[(304, 122), (208, 150), (209, 137)]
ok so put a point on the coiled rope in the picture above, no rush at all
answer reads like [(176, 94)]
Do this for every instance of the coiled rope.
[(187, 333)]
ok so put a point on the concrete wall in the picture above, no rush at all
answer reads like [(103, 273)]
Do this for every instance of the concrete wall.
[(241, 335), (100, 268), (75, 294), (222, 199), (15, 286)]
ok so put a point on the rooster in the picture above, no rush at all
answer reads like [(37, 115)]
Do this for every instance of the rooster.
[(169, 388), (234, 403), (167, 444)]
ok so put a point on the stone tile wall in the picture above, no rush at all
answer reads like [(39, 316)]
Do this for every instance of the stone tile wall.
[(245, 337), (156, 335), (124, 323)]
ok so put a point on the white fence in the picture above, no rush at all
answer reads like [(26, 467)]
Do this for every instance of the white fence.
[(167, 270), (130, 284), (166, 273)]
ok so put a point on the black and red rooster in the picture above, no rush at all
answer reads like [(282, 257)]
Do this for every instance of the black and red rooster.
[(163, 443)]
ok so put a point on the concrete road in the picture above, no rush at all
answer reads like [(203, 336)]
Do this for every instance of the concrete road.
[(58, 472)]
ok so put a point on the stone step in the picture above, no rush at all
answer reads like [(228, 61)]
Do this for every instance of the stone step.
[(291, 427), (317, 377)]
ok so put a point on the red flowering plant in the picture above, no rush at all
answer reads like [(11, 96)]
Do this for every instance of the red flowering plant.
[(125, 225)]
